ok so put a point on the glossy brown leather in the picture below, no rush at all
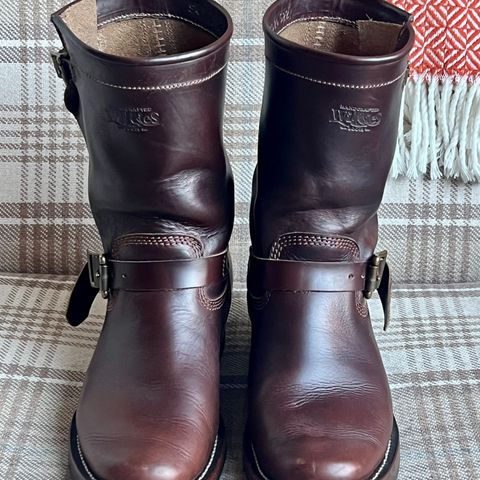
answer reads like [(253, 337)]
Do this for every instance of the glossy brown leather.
[(161, 193), (319, 403)]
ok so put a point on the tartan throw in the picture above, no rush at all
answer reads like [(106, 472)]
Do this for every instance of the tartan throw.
[(441, 132), (430, 227), (431, 353)]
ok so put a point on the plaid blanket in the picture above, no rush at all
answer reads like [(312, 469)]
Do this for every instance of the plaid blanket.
[(431, 353)]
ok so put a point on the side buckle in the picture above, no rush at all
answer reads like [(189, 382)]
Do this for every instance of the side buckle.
[(98, 273), (374, 274), (59, 60)]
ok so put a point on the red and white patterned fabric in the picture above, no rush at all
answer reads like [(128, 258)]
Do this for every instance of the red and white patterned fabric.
[(440, 136), (448, 37)]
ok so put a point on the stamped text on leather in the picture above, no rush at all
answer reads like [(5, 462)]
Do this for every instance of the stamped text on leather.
[(138, 119), (356, 119)]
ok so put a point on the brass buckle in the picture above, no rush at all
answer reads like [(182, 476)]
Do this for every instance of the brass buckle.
[(98, 273), (58, 59), (374, 274)]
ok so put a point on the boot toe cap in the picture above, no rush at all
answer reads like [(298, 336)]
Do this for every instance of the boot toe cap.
[(311, 459), (142, 462)]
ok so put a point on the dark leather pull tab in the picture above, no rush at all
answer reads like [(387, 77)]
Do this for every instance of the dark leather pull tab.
[(81, 299), (385, 293)]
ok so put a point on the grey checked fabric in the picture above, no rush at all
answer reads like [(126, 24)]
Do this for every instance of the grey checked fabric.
[(431, 353), (430, 228)]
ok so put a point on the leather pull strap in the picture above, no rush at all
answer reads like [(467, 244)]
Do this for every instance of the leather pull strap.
[(139, 276)]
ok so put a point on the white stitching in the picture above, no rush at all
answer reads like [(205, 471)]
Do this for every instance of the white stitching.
[(168, 87), (132, 16), (375, 477), (382, 466), (258, 464), (210, 462), (84, 463), (343, 85), (343, 21), (201, 477)]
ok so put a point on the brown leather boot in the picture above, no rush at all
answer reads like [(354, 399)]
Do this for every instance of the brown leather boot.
[(146, 80), (320, 405)]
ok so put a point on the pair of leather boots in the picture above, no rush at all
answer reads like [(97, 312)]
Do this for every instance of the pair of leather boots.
[(146, 81)]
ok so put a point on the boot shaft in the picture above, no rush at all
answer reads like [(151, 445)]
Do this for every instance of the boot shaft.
[(334, 80), (146, 82)]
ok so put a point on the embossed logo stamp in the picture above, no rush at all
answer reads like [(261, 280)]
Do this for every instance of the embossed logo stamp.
[(356, 119), (134, 119)]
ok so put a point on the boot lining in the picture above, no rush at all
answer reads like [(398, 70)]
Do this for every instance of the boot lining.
[(338, 35), (135, 34)]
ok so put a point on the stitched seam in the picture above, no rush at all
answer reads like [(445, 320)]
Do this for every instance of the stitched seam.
[(160, 36), (211, 304), (259, 303), (201, 477), (170, 241), (343, 21), (313, 240), (133, 16), (162, 244), (157, 88), (342, 85)]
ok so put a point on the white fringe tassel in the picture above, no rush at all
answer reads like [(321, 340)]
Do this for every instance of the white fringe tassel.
[(440, 136)]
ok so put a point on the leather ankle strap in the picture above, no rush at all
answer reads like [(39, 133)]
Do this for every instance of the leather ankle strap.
[(101, 274), (303, 276)]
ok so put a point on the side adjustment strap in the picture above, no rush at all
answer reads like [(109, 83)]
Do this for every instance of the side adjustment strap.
[(139, 276), (299, 276)]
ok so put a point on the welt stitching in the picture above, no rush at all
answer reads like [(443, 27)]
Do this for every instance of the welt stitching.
[(132, 16), (385, 459), (155, 88), (84, 463), (342, 85)]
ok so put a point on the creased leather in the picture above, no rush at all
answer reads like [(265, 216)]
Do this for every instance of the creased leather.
[(161, 192), (319, 401)]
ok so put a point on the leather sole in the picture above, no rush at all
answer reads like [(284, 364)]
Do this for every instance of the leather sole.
[(387, 470), (79, 469)]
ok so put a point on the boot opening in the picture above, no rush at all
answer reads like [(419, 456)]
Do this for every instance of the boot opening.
[(348, 37), (145, 33)]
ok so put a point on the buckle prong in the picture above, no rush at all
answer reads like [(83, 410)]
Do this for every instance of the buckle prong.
[(375, 269), (98, 273)]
